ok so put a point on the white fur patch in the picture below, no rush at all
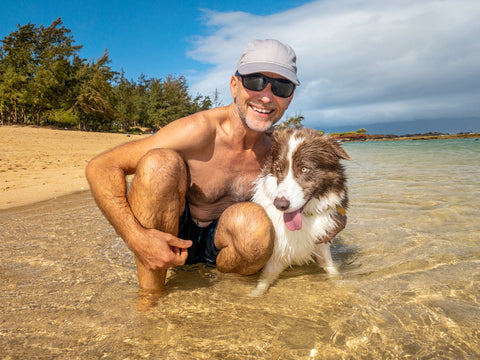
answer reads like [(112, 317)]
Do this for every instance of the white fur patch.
[(289, 188)]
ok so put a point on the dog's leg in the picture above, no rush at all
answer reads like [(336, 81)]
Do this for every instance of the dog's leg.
[(324, 258), (270, 273)]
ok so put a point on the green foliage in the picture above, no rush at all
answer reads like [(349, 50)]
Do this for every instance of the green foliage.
[(44, 81), (351, 133), (66, 118), (295, 122)]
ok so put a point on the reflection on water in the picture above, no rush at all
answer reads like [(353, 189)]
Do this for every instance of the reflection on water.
[(409, 284)]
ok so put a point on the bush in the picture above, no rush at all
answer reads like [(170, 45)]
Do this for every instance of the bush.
[(64, 117)]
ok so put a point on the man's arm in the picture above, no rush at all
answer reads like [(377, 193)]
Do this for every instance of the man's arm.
[(106, 176)]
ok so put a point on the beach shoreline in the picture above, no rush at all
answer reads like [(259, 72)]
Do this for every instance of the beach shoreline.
[(38, 163), (367, 137)]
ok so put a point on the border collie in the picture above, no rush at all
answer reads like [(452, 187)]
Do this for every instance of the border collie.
[(302, 187)]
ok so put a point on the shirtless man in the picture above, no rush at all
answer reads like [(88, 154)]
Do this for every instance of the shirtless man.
[(193, 178)]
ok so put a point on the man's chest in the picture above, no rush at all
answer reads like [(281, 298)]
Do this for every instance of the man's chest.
[(226, 175)]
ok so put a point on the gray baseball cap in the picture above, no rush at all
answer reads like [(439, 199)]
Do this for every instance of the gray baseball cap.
[(269, 56)]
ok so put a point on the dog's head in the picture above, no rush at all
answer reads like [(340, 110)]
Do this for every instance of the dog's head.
[(305, 165)]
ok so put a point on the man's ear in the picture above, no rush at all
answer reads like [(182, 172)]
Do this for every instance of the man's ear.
[(234, 86)]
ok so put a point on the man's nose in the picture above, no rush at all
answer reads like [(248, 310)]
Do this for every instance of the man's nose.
[(266, 94)]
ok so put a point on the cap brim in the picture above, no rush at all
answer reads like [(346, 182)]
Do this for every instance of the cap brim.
[(252, 68)]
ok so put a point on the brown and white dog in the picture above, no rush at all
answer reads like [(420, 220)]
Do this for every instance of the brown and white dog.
[(302, 188)]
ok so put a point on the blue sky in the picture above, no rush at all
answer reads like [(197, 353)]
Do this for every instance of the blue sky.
[(396, 66)]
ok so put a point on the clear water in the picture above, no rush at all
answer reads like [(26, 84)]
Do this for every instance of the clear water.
[(409, 284)]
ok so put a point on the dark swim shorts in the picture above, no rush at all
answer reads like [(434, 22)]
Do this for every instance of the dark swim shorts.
[(203, 249)]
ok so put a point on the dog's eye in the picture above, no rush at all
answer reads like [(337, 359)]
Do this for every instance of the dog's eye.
[(277, 168), (305, 170)]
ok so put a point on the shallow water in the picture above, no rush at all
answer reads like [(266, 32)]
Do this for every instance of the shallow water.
[(409, 285)]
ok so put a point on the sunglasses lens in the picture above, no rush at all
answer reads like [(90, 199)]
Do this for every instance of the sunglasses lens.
[(257, 82), (254, 82), (282, 88)]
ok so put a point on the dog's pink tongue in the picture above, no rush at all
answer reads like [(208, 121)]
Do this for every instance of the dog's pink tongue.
[(293, 220)]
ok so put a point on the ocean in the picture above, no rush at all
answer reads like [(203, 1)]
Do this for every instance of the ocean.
[(409, 283)]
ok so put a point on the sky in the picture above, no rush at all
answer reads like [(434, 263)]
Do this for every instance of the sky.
[(396, 66)]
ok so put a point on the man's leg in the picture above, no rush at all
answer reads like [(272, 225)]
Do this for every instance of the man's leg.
[(157, 199), (245, 237)]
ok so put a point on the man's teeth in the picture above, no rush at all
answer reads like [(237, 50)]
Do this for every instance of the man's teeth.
[(263, 111)]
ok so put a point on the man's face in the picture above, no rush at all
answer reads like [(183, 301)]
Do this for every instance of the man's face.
[(259, 110)]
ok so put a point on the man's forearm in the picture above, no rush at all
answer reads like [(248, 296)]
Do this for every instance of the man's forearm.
[(109, 190)]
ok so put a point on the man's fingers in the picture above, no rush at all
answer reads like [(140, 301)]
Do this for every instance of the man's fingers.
[(176, 250), (179, 248), (179, 243), (180, 256)]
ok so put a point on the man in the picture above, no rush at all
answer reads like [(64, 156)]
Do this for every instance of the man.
[(193, 178)]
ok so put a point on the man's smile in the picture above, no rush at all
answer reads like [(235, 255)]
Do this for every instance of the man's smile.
[(261, 110)]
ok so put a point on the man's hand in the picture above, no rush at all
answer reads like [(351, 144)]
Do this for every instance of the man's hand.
[(341, 222), (159, 250)]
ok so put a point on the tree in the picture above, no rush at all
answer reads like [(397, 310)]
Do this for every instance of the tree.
[(18, 49), (141, 101), (55, 72), (124, 93), (216, 101), (94, 102), (12, 95), (36, 69), (17, 68), (169, 100), (44, 81), (295, 122)]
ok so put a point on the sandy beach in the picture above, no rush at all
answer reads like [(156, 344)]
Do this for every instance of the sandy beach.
[(38, 163)]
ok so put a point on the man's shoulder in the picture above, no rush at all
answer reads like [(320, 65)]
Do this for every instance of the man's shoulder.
[(204, 123), (191, 131), (213, 117)]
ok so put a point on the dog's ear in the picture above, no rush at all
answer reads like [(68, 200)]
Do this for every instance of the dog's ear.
[(338, 149), (277, 138), (281, 136)]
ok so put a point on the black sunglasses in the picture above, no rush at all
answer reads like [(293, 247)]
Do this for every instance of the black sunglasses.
[(257, 82)]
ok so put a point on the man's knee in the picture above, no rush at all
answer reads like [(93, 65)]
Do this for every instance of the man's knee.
[(157, 192), (161, 165), (246, 233), (252, 227)]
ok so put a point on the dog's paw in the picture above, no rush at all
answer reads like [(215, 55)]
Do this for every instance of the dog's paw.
[(260, 290), (331, 270), (255, 293)]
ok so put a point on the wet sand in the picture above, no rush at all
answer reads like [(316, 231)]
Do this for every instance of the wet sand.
[(39, 163)]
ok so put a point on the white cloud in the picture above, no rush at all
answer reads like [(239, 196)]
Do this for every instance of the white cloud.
[(360, 62)]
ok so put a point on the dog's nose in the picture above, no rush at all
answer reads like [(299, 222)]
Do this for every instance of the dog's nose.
[(281, 203)]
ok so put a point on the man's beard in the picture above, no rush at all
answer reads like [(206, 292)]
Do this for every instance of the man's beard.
[(250, 124)]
